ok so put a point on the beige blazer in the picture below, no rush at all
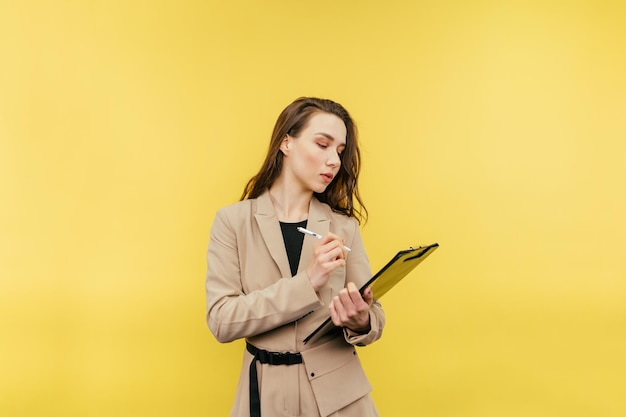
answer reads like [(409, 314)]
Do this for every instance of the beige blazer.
[(250, 294)]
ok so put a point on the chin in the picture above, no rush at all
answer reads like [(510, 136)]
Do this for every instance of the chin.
[(320, 189)]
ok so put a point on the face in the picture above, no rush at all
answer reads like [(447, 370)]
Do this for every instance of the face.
[(312, 159)]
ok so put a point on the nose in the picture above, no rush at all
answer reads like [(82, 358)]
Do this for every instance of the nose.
[(334, 159)]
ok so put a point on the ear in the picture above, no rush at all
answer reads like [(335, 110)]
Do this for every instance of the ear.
[(285, 145)]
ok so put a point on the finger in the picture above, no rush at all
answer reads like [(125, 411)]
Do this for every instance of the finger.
[(330, 260), (334, 316), (338, 252), (347, 309), (344, 253), (346, 299), (329, 251), (340, 311), (368, 296), (330, 266), (331, 241), (329, 237), (355, 296), (335, 248), (353, 291)]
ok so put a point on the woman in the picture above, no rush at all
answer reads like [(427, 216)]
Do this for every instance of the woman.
[(268, 283)]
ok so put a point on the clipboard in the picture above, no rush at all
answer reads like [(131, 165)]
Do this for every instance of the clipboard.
[(392, 273)]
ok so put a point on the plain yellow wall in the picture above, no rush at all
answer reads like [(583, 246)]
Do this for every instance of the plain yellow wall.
[(494, 128)]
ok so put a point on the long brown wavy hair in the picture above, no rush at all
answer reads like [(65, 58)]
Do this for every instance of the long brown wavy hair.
[(342, 193)]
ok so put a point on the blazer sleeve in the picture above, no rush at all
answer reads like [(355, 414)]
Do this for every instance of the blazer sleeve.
[(359, 272), (231, 313)]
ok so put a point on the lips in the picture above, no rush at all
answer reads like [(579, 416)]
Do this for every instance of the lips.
[(328, 176)]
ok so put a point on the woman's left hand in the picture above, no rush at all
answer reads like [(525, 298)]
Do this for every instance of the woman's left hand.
[(351, 310)]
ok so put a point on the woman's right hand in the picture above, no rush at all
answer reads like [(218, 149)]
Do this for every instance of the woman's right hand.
[(328, 254)]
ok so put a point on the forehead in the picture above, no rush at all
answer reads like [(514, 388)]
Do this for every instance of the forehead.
[(327, 124)]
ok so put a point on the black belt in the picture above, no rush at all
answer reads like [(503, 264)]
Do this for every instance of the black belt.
[(273, 358)]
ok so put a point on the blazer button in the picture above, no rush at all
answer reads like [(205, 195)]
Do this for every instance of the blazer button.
[(312, 374)]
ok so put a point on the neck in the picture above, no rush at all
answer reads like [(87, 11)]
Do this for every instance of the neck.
[(290, 206)]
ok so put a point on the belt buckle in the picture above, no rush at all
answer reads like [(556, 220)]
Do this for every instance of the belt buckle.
[(277, 358)]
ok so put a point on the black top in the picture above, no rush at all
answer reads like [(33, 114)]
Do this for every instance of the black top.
[(293, 243)]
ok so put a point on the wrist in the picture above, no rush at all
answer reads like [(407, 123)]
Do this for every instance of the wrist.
[(313, 282)]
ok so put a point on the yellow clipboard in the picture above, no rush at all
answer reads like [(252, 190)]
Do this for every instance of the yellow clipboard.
[(389, 275)]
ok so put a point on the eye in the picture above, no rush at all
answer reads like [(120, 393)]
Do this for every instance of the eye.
[(322, 145)]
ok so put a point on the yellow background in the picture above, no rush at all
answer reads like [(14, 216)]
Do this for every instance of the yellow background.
[(496, 128)]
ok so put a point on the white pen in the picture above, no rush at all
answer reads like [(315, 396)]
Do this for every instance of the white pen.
[(310, 233)]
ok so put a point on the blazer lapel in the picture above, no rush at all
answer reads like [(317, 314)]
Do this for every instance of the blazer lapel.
[(266, 218), (319, 223), (270, 231)]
